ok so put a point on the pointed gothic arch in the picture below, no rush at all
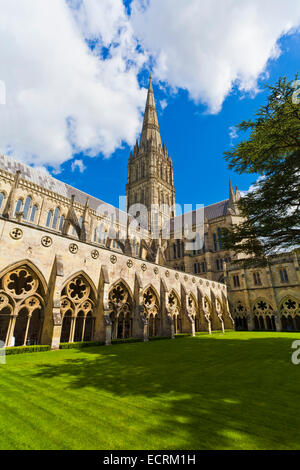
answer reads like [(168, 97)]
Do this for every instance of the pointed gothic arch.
[(240, 316), (22, 302), (120, 302), (77, 304), (193, 310), (264, 315), (152, 310), (174, 310), (290, 313)]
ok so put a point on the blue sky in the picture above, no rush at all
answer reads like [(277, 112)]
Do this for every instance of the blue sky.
[(195, 139), (75, 93)]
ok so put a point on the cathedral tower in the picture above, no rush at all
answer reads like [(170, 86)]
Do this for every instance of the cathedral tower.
[(150, 171)]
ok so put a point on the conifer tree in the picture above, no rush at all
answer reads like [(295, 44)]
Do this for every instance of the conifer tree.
[(272, 150)]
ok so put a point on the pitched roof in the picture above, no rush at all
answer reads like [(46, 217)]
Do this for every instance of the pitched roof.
[(41, 178), (213, 211)]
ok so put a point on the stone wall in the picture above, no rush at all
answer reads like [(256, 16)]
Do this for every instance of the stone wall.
[(185, 302)]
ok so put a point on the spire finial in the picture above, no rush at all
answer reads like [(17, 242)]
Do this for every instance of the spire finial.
[(231, 195), (150, 125)]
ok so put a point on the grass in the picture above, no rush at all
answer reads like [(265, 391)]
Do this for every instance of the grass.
[(233, 391)]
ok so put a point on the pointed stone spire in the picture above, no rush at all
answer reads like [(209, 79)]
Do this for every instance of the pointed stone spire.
[(150, 125), (231, 204), (237, 194)]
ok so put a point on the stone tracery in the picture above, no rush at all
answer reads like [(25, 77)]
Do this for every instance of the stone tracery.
[(151, 309), (290, 314), (174, 311), (120, 304), (21, 307), (77, 310)]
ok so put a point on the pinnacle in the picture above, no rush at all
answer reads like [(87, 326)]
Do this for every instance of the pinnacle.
[(150, 125)]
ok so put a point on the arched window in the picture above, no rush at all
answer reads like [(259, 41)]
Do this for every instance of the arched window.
[(18, 206), (77, 311), (179, 253), (174, 309), (33, 213), (151, 309), (120, 304), (21, 307), (284, 275), (2, 197), (49, 218), (61, 223), (98, 233), (219, 264), (55, 218), (27, 207)]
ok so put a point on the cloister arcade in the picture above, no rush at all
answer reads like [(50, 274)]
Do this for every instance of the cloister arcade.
[(265, 317), (26, 309)]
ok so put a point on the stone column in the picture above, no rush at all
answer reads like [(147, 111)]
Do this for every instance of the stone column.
[(108, 329), (193, 326), (27, 328), (72, 329), (57, 326), (10, 332), (83, 329)]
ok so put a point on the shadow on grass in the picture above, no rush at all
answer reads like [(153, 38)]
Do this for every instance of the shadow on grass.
[(209, 393)]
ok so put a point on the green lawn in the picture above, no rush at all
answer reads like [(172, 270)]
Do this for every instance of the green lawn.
[(233, 391)]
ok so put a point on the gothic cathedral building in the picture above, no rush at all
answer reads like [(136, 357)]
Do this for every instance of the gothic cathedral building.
[(73, 268)]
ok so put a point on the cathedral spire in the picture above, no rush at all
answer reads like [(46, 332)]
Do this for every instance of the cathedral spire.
[(150, 124), (231, 204)]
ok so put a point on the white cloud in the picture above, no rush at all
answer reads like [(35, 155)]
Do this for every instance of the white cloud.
[(163, 104), (62, 98), (2, 93), (208, 46), (253, 188), (78, 164), (233, 134)]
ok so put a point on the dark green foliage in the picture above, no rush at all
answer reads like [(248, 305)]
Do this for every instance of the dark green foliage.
[(79, 345), (272, 208), (87, 344), (26, 349), (127, 340), (158, 338)]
